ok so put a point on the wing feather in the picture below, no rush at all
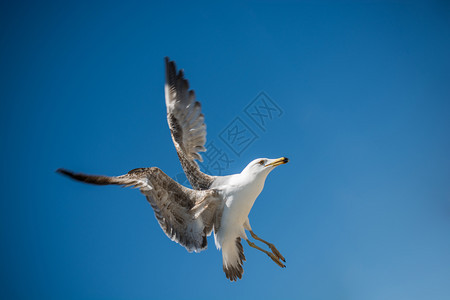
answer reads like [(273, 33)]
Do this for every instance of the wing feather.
[(186, 216), (187, 125)]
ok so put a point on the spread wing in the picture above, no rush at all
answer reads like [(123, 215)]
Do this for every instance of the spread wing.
[(187, 125), (185, 215)]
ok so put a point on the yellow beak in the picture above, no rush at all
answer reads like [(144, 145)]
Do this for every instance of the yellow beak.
[(278, 161)]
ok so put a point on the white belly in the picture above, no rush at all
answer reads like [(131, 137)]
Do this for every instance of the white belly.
[(239, 200)]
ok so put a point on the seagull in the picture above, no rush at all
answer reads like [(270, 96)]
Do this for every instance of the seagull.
[(219, 204)]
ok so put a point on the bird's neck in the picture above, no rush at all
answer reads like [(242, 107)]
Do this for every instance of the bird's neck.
[(252, 183)]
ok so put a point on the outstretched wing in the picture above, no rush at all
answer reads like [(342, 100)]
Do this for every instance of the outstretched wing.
[(185, 215), (187, 125)]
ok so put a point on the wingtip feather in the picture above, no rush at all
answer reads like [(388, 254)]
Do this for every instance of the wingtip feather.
[(64, 172)]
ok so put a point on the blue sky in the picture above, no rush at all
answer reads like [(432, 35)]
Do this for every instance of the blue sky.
[(362, 211)]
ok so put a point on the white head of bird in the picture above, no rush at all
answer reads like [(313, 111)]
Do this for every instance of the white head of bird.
[(257, 170), (263, 166)]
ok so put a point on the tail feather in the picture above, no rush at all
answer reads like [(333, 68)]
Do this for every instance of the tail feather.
[(233, 259)]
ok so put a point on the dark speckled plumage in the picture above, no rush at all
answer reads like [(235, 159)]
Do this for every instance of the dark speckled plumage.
[(187, 126), (185, 215)]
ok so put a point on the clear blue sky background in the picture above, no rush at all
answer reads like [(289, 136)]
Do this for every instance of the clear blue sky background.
[(361, 212)]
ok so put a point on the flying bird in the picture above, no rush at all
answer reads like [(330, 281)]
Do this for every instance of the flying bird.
[(219, 204)]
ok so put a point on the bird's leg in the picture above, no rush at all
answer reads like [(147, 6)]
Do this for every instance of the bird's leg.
[(271, 246), (271, 255)]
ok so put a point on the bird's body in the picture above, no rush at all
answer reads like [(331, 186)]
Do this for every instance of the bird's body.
[(216, 203), (239, 192)]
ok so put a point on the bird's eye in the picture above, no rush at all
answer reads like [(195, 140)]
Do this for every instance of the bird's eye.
[(261, 162)]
